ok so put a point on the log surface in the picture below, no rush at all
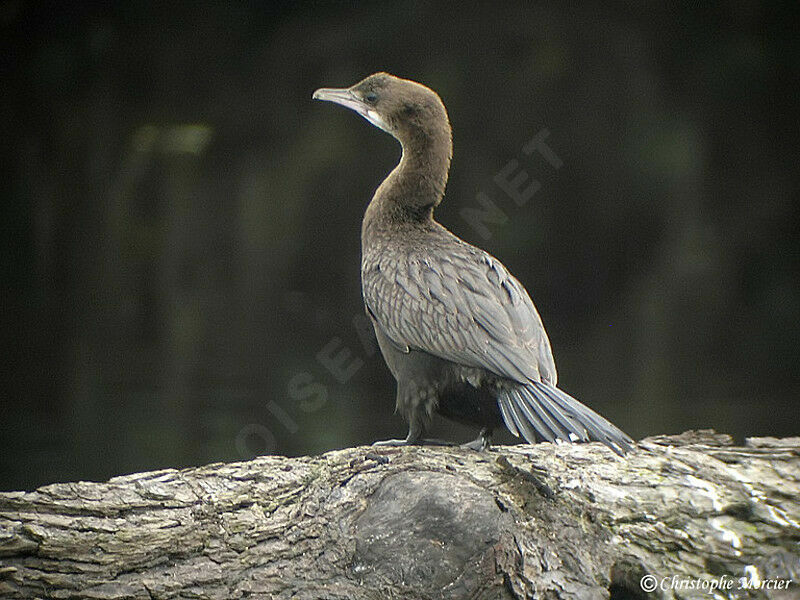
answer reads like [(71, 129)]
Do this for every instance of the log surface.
[(545, 521)]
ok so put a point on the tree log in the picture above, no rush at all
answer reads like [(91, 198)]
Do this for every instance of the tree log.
[(544, 521)]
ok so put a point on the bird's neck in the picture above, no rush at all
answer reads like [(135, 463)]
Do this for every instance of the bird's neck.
[(416, 185)]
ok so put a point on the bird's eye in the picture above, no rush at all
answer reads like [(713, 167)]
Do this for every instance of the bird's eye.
[(371, 97)]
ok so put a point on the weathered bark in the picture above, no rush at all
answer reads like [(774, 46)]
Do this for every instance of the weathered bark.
[(544, 521)]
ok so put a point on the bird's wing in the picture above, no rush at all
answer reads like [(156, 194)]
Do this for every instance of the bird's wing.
[(459, 303)]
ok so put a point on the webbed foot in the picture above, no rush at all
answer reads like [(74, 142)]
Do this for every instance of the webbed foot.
[(418, 442), (481, 443)]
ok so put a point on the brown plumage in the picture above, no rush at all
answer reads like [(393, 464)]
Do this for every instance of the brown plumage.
[(459, 333)]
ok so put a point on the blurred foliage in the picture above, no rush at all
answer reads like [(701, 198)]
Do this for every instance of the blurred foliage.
[(181, 229)]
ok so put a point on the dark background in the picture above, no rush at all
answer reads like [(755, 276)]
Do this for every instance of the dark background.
[(181, 221)]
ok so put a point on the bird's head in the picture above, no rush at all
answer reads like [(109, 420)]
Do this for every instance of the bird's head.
[(405, 109)]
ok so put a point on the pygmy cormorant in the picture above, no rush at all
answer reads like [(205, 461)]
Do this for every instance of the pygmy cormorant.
[(458, 332)]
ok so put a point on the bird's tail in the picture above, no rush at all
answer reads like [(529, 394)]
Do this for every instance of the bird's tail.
[(540, 411)]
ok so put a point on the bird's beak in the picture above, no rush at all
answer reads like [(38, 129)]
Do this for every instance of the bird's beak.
[(347, 98), (341, 96)]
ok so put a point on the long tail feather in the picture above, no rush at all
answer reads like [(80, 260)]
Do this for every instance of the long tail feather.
[(539, 411)]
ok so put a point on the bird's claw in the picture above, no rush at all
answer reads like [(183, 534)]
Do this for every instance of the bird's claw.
[(419, 442)]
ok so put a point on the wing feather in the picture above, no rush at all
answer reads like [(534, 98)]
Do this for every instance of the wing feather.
[(457, 302)]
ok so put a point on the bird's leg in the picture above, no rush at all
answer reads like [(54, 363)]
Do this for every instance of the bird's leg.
[(414, 438), (482, 442)]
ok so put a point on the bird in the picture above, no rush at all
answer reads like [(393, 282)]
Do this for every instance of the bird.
[(457, 330)]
